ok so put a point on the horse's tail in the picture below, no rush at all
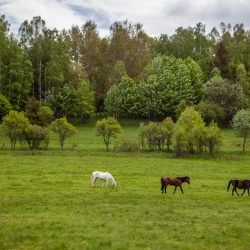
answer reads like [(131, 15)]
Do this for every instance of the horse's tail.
[(229, 183)]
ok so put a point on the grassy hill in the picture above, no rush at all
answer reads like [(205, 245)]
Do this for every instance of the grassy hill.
[(47, 202)]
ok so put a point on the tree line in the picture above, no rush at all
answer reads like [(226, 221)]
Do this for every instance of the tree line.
[(75, 72)]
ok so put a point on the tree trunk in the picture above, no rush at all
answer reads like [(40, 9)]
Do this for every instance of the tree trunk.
[(40, 80)]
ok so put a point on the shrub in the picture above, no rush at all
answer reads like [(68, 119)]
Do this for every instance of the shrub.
[(15, 124), (213, 138), (128, 146), (189, 120), (5, 106), (36, 137), (168, 128)]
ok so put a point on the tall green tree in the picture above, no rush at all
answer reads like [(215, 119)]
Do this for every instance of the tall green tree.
[(64, 129), (108, 128)]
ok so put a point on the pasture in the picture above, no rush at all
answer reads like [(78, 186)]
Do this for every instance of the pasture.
[(47, 202)]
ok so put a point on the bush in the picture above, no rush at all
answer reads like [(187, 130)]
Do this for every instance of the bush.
[(36, 137), (127, 146), (213, 138), (15, 124)]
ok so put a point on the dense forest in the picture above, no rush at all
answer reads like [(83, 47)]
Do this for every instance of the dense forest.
[(129, 74)]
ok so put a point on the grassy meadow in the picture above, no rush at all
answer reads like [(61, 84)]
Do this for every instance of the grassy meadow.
[(47, 202)]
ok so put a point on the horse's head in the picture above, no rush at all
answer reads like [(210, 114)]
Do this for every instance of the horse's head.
[(188, 180), (114, 183)]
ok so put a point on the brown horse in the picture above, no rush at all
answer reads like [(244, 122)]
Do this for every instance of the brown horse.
[(244, 184), (177, 182)]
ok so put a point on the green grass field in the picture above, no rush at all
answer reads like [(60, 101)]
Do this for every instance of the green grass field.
[(47, 202)]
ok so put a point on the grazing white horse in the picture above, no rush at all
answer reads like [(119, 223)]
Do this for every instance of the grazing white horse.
[(105, 176)]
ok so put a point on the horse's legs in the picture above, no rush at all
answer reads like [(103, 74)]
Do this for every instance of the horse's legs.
[(236, 191), (162, 189), (165, 188), (181, 189), (175, 189), (93, 182), (103, 183), (243, 191)]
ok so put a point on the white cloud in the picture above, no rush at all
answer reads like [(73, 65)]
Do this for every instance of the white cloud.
[(159, 16)]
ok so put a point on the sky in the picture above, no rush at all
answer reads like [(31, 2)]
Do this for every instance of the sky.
[(157, 16)]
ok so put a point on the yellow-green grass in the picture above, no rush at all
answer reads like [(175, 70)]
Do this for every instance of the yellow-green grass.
[(47, 202)]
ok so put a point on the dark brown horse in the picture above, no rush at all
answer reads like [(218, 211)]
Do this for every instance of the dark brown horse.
[(177, 182), (241, 184)]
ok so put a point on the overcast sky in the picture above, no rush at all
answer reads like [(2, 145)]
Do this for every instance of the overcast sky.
[(157, 16)]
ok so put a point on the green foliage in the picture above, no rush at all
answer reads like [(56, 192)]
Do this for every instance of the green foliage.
[(191, 134), (215, 72), (156, 135), (120, 100), (38, 114), (45, 116), (168, 127), (241, 78), (241, 124), (211, 112), (169, 81), (32, 109), (36, 137), (118, 71), (213, 138), (15, 124), (64, 129), (73, 102), (107, 128), (127, 145), (5, 106), (189, 121), (228, 96), (180, 140)]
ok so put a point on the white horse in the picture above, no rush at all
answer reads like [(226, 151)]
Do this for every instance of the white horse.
[(105, 176)]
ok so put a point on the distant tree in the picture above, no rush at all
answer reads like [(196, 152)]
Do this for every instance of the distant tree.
[(32, 108), (241, 78), (5, 106), (45, 116), (15, 124), (63, 128), (215, 72), (211, 112), (120, 100), (241, 124), (117, 72), (107, 128), (229, 96)]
